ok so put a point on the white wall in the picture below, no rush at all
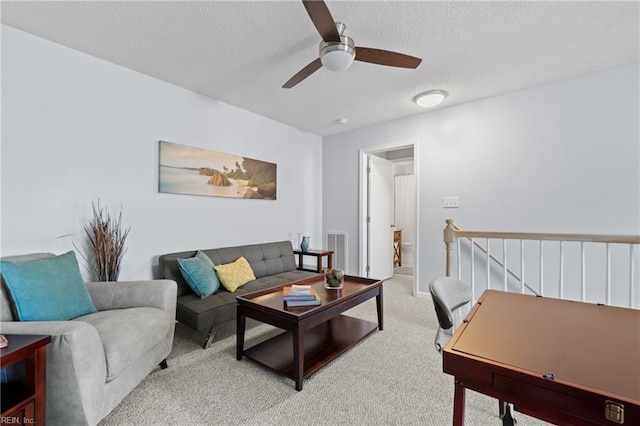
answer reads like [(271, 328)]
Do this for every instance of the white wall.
[(563, 157), (76, 128)]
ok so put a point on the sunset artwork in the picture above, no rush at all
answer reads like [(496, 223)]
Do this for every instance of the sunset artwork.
[(196, 171)]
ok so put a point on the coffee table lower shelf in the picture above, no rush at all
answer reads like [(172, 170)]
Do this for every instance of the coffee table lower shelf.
[(322, 344)]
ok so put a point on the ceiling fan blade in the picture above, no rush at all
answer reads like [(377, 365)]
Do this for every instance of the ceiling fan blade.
[(303, 73), (386, 57), (322, 19)]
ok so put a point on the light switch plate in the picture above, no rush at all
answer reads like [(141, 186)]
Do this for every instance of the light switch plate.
[(450, 202)]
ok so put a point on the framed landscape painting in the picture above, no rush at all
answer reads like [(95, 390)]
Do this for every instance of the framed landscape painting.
[(196, 171)]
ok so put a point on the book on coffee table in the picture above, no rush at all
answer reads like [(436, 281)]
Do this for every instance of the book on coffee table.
[(294, 303), (297, 290), (299, 298), (296, 294)]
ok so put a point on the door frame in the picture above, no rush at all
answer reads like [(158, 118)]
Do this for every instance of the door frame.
[(363, 200)]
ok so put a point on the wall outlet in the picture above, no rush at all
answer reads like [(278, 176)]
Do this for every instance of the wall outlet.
[(450, 202)]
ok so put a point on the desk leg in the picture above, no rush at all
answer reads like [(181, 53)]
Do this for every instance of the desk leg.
[(458, 405), (298, 357), (319, 264), (240, 326), (379, 307), (300, 261), (330, 261)]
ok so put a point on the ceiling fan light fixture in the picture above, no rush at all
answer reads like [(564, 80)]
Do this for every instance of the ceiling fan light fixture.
[(338, 56), (431, 98)]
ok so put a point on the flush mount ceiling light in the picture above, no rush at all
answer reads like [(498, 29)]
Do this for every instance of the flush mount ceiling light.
[(431, 98)]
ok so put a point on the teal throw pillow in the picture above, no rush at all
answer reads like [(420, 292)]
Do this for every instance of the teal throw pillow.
[(199, 274), (47, 289)]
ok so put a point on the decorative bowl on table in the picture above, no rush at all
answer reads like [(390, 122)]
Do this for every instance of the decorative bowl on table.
[(334, 278)]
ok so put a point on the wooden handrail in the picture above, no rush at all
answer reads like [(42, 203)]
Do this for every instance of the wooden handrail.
[(452, 230), (587, 238), (457, 231)]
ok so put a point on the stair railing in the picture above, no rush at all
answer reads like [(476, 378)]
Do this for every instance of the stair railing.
[(453, 235)]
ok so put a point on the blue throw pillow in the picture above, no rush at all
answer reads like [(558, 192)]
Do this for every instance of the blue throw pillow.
[(47, 289), (199, 274)]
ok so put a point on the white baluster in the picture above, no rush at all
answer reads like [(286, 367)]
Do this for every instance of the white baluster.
[(561, 270), (631, 274), (488, 264), (473, 271), (583, 278), (541, 268), (504, 262), (459, 258), (522, 265), (608, 274)]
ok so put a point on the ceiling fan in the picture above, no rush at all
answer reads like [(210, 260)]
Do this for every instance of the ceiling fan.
[(337, 51)]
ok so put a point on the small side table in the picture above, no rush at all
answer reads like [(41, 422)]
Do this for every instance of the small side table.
[(318, 254), (24, 403)]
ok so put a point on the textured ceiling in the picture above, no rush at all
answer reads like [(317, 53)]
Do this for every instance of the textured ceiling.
[(241, 52)]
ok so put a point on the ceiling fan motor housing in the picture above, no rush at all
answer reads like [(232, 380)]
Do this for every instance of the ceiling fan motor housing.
[(338, 55)]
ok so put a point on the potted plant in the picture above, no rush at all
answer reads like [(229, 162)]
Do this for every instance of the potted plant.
[(106, 238)]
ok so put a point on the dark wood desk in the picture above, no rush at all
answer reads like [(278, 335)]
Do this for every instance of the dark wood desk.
[(24, 403), (318, 254), (560, 361)]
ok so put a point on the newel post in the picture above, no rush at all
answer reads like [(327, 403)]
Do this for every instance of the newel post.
[(449, 236)]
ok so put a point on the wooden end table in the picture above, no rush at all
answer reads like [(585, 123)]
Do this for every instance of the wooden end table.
[(24, 403), (318, 254)]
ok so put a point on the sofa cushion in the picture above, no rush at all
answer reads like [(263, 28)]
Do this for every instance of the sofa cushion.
[(265, 259), (199, 273), (234, 274), (128, 334), (202, 314), (47, 289), (274, 281)]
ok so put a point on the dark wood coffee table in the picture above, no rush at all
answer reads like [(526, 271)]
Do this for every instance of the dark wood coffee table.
[(314, 335)]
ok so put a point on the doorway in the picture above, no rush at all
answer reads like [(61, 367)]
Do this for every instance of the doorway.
[(389, 174)]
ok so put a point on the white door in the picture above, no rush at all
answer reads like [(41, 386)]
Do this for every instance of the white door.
[(380, 213)]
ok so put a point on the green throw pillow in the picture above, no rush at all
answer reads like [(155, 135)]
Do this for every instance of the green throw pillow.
[(199, 274), (47, 289)]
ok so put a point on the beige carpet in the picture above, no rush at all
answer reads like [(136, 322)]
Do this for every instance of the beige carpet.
[(393, 377)]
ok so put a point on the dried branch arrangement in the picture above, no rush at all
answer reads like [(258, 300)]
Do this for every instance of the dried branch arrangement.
[(106, 243)]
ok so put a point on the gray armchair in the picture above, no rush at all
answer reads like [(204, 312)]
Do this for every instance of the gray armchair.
[(95, 360)]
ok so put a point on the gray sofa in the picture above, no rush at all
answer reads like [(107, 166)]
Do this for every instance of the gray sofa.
[(272, 263), (95, 360)]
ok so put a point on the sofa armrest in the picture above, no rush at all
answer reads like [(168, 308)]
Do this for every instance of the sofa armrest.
[(76, 368), (161, 294)]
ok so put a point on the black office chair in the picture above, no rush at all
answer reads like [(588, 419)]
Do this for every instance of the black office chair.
[(448, 294)]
